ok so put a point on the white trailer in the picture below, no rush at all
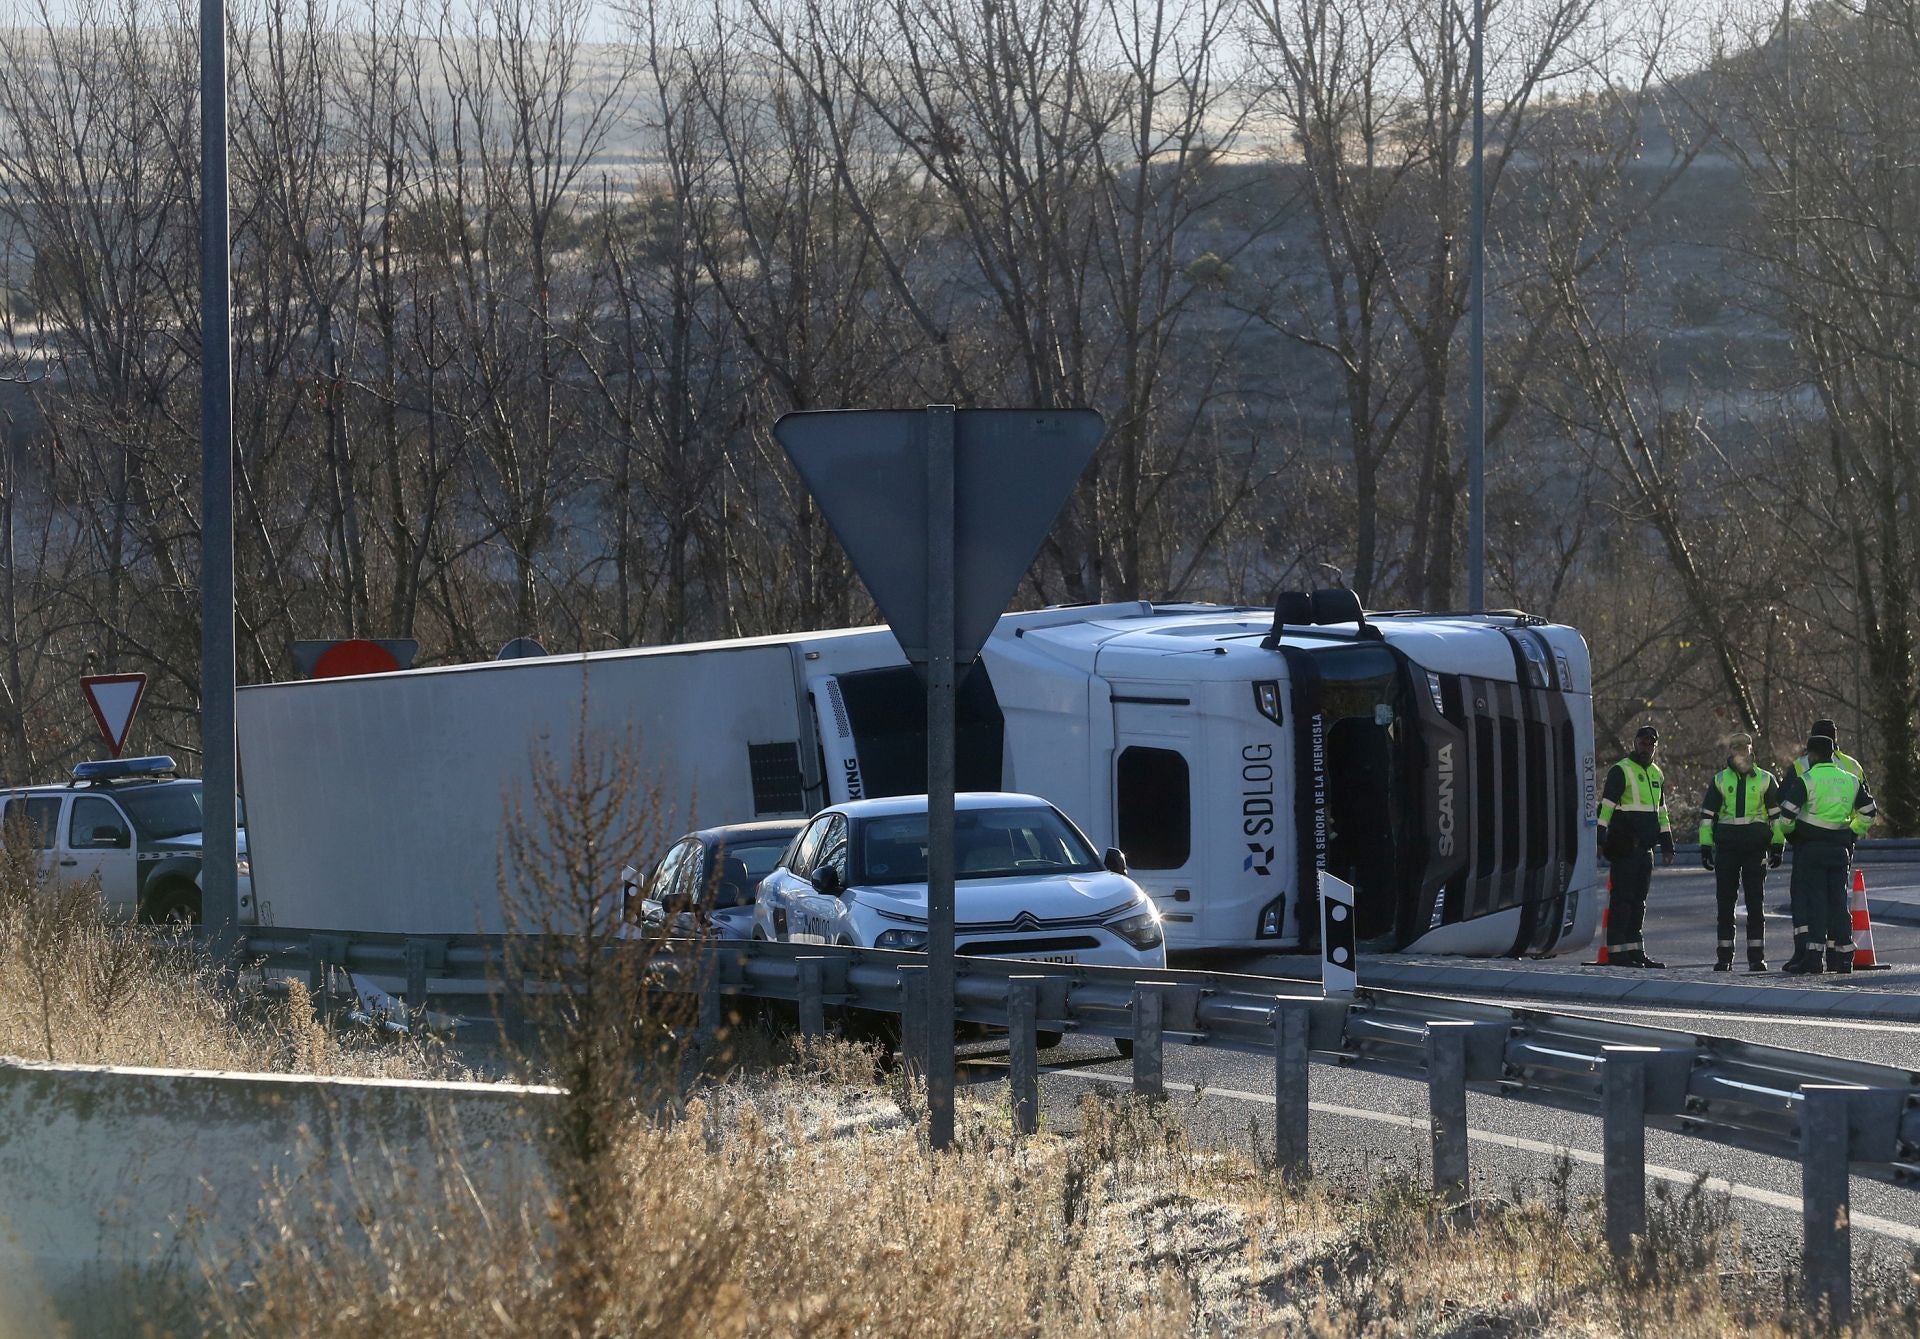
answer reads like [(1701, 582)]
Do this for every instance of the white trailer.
[(1443, 764)]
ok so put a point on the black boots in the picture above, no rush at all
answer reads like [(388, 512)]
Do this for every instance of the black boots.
[(1840, 960), (1807, 962), (1724, 963), (1633, 957), (1756, 960)]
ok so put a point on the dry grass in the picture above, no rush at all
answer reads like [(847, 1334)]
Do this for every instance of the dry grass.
[(78, 988), (801, 1201)]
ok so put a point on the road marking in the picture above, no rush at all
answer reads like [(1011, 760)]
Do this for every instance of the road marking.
[(1771, 1199)]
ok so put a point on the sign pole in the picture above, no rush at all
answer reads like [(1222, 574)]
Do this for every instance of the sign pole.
[(219, 768), (940, 772)]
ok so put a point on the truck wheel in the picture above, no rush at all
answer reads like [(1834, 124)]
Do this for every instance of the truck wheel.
[(176, 903)]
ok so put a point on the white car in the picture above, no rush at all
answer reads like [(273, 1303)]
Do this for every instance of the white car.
[(1029, 884), (133, 824)]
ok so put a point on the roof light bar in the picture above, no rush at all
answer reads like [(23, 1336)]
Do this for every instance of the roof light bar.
[(121, 769)]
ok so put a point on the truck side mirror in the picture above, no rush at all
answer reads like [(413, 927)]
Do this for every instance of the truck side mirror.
[(1116, 861), (826, 881)]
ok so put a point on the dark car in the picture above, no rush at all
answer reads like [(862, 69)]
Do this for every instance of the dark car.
[(711, 876)]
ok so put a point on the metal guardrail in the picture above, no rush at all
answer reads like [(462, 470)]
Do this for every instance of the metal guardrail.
[(1837, 1117)]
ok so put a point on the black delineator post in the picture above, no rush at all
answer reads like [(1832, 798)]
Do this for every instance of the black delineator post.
[(940, 774), (1290, 1108), (219, 765), (1623, 1107), (1023, 1061), (1447, 1106), (1826, 1251)]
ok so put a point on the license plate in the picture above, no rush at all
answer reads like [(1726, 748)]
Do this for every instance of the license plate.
[(1054, 957)]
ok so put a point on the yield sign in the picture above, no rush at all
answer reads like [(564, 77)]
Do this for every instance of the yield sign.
[(114, 699), (1013, 470)]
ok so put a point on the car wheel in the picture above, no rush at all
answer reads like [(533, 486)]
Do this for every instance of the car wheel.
[(1046, 1039), (1124, 1045), (176, 903)]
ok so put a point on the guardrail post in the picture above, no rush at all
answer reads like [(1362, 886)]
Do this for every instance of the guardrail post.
[(1447, 1105), (809, 994), (913, 1018), (416, 976), (1826, 1252), (1290, 1114), (1023, 1060), (1149, 1008), (1623, 1101)]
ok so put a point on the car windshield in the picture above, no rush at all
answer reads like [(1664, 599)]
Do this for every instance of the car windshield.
[(988, 844), (162, 811)]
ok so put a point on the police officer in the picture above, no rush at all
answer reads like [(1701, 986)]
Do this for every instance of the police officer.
[(1822, 812), (1633, 820), (1845, 762), (1739, 841)]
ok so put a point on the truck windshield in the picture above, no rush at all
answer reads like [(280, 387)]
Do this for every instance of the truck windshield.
[(988, 844), (1370, 726)]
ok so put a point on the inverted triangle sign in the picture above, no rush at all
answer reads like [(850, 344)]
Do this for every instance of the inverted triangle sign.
[(1013, 472), (114, 699)]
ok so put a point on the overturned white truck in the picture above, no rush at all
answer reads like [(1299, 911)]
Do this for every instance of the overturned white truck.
[(1441, 763)]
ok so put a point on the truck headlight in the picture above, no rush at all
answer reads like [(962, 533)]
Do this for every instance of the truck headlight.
[(902, 939), (1142, 929), (243, 868)]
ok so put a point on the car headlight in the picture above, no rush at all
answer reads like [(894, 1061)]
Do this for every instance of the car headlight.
[(1142, 929), (244, 868), (901, 939)]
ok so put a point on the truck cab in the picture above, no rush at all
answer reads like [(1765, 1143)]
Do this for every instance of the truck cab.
[(130, 824)]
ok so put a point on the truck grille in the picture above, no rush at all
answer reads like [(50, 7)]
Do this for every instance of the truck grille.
[(1523, 776)]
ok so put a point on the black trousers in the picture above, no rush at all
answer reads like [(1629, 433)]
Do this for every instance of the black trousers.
[(1740, 865), (1819, 888), (1632, 876)]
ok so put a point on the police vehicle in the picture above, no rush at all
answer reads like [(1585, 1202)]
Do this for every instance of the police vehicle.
[(1027, 884), (131, 823)]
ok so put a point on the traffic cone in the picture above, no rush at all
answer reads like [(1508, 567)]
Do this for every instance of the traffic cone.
[(1863, 960), (1601, 960)]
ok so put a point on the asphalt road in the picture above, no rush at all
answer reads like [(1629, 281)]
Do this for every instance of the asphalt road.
[(1365, 1125)]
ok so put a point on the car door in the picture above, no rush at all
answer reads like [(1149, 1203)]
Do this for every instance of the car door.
[(817, 917), (781, 892), (97, 842), (38, 817), (665, 889)]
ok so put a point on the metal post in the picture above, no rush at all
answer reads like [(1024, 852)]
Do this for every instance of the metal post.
[(913, 1019), (940, 774), (1290, 1111), (810, 993), (712, 1011), (1623, 1102), (1447, 1106), (1826, 1253), (1023, 1063), (416, 976), (1149, 1006), (1477, 331), (219, 767)]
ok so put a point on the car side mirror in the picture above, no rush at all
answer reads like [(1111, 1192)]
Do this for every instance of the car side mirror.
[(1116, 861), (826, 881)]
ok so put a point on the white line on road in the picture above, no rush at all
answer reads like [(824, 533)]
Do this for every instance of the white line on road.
[(1772, 1199)]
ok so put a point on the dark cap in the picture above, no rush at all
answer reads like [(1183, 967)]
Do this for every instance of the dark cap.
[(1646, 732), (1738, 742), (1822, 730)]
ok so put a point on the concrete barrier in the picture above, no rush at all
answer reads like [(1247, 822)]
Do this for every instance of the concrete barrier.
[(116, 1183)]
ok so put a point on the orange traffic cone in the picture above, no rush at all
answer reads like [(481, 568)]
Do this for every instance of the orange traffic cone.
[(1863, 960), (1601, 959)]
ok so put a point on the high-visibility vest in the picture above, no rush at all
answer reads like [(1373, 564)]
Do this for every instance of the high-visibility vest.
[(1844, 761), (1738, 809), (1831, 791), (1643, 793)]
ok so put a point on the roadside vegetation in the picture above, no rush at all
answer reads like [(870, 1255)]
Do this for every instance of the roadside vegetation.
[(75, 987), (799, 1199)]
